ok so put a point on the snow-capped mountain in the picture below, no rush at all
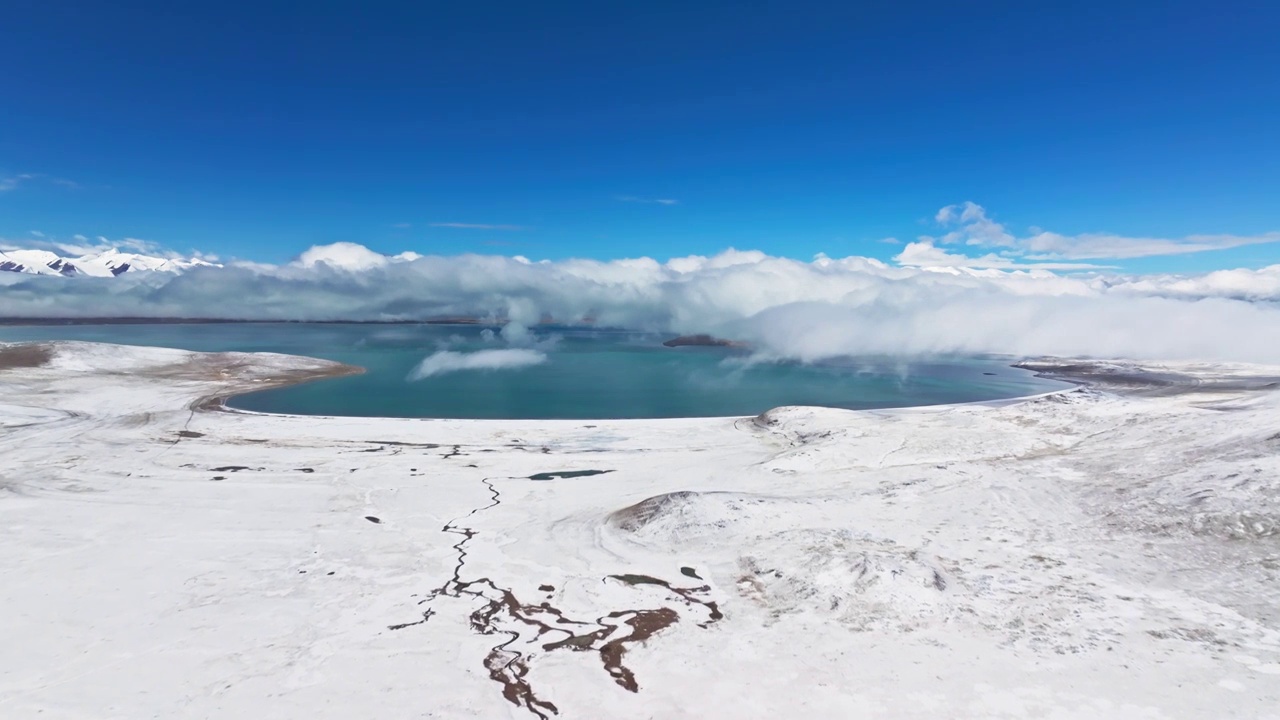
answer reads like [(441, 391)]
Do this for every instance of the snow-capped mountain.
[(35, 262), (108, 263)]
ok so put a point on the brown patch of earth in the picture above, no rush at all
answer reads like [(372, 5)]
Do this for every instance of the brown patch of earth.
[(24, 356)]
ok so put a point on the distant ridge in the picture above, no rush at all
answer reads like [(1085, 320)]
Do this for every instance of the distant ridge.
[(487, 322), (223, 321)]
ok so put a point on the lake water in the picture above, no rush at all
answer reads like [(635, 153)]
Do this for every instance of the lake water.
[(465, 371)]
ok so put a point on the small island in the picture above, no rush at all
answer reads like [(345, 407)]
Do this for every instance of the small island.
[(702, 341)]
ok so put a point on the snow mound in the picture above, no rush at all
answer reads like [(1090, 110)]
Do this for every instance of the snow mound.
[(685, 516), (830, 571), (794, 559), (12, 416), (101, 357), (861, 582)]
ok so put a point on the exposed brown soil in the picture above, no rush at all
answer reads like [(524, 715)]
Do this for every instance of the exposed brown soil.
[(1142, 382), (634, 517), (688, 594), (644, 624), (209, 368), (24, 356)]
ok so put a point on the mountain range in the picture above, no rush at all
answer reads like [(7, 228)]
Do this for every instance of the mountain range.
[(107, 263)]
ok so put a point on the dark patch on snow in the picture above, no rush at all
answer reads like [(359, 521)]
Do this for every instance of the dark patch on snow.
[(567, 474), (426, 615), (24, 356)]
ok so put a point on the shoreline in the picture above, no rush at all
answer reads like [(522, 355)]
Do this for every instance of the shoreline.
[(218, 405), (1132, 377), (217, 402), (1117, 376)]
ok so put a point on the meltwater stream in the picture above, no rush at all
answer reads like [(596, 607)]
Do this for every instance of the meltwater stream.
[(466, 371)]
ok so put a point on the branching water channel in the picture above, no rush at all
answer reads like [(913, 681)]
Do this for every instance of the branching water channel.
[(503, 614)]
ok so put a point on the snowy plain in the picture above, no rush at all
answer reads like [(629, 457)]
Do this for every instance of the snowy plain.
[(1112, 551)]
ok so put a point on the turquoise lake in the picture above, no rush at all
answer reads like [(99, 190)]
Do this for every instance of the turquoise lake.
[(569, 373)]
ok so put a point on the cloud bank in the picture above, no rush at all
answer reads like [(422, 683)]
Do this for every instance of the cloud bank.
[(447, 361), (1020, 295), (808, 310)]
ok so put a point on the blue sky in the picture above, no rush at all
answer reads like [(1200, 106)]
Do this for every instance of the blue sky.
[(258, 129)]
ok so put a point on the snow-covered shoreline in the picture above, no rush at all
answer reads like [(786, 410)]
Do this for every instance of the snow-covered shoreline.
[(1110, 552)]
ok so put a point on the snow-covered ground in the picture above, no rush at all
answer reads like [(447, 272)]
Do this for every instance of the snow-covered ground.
[(1107, 552)]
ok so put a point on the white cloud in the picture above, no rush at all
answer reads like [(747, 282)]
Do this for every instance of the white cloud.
[(655, 201), (974, 228), (128, 244), (402, 226), (12, 182), (1047, 245), (477, 226), (1262, 285), (342, 256), (448, 361), (925, 254)]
